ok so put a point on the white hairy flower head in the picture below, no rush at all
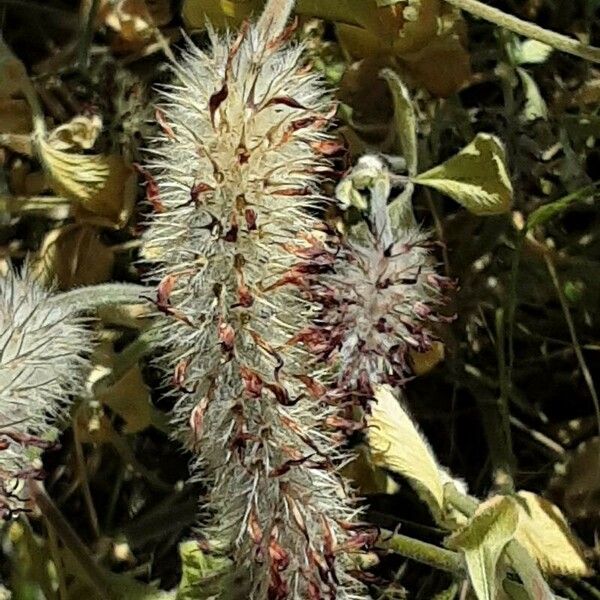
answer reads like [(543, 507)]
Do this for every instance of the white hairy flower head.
[(235, 186), (43, 349)]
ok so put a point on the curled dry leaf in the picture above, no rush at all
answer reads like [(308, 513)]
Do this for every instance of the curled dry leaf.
[(73, 256), (397, 444), (115, 200), (80, 133), (76, 176), (545, 534), (104, 185), (134, 22)]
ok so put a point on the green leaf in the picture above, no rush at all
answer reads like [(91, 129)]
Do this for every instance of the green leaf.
[(548, 211), (405, 120), (482, 542), (476, 177), (448, 594), (203, 575), (533, 581), (31, 577)]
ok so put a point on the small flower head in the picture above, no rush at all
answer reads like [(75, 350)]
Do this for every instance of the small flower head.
[(384, 303), (382, 300), (42, 364)]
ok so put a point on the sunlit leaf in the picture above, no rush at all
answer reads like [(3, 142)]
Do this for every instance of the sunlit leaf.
[(398, 445), (476, 177), (530, 52), (423, 362), (545, 534), (368, 478), (72, 256), (482, 541), (535, 106), (130, 399)]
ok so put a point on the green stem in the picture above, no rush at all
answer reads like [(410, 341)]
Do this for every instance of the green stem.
[(587, 376), (527, 29), (422, 552), (86, 36), (95, 296), (127, 358), (465, 504), (93, 572), (504, 454)]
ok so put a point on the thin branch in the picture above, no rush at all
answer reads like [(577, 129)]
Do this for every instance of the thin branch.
[(525, 28), (573, 333), (70, 539)]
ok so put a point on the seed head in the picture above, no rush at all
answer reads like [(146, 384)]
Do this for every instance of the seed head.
[(235, 186)]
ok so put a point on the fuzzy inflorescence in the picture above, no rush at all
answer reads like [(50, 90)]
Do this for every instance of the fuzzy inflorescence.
[(43, 349), (235, 183), (381, 304)]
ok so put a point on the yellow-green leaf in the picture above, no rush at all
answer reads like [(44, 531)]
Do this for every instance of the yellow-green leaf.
[(397, 444), (476, 177), (482, 541), (204, 575), (545, 534)]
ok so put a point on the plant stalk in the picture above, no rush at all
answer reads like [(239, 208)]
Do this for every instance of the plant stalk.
[(428, 554), (69, 538), (530, 30), (96, 296)]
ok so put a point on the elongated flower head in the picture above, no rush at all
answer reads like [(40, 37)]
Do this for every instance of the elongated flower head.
[(43, 346), (235, 184)]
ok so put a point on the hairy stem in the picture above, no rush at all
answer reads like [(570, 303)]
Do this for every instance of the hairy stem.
[(428, 554), (93, 297)]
